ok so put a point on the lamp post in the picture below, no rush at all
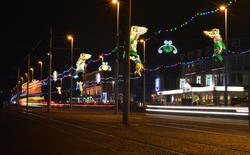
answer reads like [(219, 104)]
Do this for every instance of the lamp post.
[(223, 8), (61, 87), (71, 65), (21, 79), (26, 75), (117, 55), (41, 69), (126, 104), (32, 74), (144, 79)]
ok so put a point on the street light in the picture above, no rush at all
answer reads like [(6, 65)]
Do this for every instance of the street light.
[(32, 73), (41, 69), (117, 55), (101, 57), (223, 8), (144, 61), (26, 75), (71, 65), (21, 79)]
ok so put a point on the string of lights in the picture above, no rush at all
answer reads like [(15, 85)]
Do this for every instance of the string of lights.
[(194, 17), (66, 74)]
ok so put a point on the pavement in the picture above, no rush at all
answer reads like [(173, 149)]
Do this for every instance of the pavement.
[(100, 131)]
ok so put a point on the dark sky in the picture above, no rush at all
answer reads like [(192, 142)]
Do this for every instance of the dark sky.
[(93, 23)]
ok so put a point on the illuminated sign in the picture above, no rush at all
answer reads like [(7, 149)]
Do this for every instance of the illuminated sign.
[(104, 97), (98, 78), (157, 84), (55, 75)]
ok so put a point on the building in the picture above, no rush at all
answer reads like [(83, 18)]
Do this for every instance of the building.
[(202, 82)]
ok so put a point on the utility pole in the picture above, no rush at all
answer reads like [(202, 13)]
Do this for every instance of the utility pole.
[(50, 68), (248, 104), (28, 79), (117, 59), (126, 104), (18, 85), (225, 60)]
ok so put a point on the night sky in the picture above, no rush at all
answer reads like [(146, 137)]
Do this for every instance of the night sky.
[(93, 24)]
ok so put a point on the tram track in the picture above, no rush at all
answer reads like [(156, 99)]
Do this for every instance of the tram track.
[(78, 124)]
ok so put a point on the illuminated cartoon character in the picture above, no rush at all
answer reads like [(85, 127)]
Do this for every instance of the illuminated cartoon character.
[(136, 32), (80, 86), (195, 99), (59, 90), (219, 46), (167, 47), (80, 64), (138, 65)]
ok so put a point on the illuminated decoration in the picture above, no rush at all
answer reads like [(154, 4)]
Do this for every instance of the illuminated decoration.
[(167, 48), (219, 46), (157, 84), (80, 64), (98, 78), (105, 67), (191, 19), (66, 74), (104, 97), (80, 86), (138, 65), (59, 90), (195, 99), (55, 76), (136, 32)]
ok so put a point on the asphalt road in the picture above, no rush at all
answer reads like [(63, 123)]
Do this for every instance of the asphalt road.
[(88, 131)]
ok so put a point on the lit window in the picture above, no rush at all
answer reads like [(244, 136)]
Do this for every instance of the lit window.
[(198, 79), (209, 79)]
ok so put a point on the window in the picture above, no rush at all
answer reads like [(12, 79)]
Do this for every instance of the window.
[(182, 83), (209, 80), (198, 79), (216, 79)]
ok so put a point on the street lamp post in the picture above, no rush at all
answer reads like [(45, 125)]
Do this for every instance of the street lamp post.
[(41, 69), (32, 74), (21, 79), (18, 85), (71, 65), (117, 55), (223, 8), (61, 87), (26, 75), (126, 104), (144, 79)]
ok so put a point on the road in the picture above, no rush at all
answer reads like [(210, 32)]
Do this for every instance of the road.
[(93, 131)]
